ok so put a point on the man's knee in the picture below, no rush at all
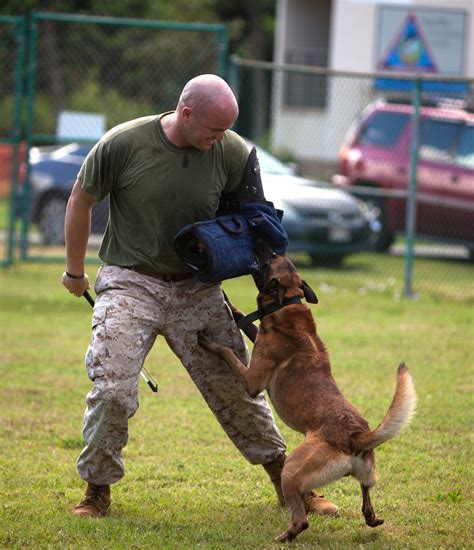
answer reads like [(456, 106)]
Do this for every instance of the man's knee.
[(114, 399)]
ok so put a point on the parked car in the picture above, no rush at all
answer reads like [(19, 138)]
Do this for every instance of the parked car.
[(53, 171), (326, 222), (321, 220), (376, 155)]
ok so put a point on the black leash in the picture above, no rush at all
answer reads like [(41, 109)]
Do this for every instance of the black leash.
[(145, 374), (250, 330), (244, 322)]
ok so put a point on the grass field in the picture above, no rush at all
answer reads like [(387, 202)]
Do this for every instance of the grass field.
[(186, 485)]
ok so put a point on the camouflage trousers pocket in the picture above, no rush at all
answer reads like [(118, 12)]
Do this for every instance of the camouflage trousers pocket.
[(97, 349)]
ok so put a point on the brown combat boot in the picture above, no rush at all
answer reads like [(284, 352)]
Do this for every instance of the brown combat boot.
[(317, 504), (314, 504), (95, 503)]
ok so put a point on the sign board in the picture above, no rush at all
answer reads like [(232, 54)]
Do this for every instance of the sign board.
[(421, 40), (77, 126)]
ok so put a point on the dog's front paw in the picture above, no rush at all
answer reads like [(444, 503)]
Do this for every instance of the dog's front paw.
[(207, 342)]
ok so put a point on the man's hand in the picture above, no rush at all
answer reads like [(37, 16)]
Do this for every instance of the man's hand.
[(76, 284)]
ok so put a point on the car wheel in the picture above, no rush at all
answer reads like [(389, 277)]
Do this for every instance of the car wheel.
[(51, 220), (382, 237)]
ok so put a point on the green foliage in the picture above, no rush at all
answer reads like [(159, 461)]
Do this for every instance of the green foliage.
[(177, 10), (128, 69), (6, 116), (91, 98), (44, 115), (186, 485)]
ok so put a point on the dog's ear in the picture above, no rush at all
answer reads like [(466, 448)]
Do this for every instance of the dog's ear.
[(309, 293)]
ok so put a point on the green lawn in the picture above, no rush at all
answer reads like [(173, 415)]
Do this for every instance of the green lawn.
[(186, 485)]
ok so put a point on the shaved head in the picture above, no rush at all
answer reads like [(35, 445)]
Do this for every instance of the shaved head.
[(208, 90), (206, 109)]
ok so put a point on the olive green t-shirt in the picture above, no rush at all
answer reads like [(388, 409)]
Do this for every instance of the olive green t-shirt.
[(156, 188)]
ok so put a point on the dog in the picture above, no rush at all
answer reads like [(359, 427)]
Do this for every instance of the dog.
[(291, 362)]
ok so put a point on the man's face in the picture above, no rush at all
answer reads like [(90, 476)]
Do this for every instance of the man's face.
[(204, 126)]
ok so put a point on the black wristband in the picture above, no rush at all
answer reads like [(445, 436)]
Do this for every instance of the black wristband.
[(74, 276)]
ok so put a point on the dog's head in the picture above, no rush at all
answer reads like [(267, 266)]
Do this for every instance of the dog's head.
[(277, 277)]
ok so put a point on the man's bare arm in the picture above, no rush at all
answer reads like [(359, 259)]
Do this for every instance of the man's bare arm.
[(77, 228)]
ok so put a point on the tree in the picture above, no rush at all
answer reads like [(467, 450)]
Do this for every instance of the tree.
[(250, 25)]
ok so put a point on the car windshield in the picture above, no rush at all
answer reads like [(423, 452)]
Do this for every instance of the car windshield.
[(466, 148), (383, 129), (437, 139)]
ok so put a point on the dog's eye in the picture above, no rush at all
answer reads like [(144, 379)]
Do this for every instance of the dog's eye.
[(273, 287)]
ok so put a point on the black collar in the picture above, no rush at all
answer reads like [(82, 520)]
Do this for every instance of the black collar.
[(271, 308)]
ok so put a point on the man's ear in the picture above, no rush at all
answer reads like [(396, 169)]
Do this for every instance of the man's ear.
[(309, 293), (185, 114)]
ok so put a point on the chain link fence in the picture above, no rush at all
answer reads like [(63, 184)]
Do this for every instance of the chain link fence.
[(388, 153), (12, 46), (86, 75), (403, 145)]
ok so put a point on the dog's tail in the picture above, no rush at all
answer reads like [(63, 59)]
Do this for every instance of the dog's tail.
[(399, 414)]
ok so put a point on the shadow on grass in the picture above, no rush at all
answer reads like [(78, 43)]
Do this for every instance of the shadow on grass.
[(197, 523)]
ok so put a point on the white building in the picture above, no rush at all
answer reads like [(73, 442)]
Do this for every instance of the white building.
[(311, 115)]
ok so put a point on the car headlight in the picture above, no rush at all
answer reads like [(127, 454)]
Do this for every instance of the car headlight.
[(371, 215)]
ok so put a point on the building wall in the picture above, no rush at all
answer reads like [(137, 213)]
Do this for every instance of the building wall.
[(351, 32), (304, 34), (354, 32)]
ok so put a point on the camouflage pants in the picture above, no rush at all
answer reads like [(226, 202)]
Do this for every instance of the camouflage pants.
[(131, 310)]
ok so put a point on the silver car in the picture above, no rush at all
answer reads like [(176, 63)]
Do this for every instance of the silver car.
[(321, 220), (326, 222)]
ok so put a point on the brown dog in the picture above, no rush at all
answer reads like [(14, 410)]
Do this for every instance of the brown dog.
[(291, 362)]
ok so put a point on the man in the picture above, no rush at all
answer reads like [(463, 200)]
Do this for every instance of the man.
[(160, 173)]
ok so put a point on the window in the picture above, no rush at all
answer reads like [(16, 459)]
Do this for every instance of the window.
[(306, 90), (383, 129), (465, 156), (437, 139)]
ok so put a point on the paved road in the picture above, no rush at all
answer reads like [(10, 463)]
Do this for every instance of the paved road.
[(433, 251), (421, 250)]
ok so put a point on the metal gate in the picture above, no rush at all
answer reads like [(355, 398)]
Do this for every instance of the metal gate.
[(12, 46), (86, 74), (420, 193)]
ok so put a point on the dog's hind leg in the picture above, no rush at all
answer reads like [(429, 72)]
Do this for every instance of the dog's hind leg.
[(370, 518), (363, 469), (299, 520), (313, 464)]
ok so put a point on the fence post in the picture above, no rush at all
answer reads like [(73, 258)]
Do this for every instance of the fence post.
[(223, 51), (234, 75), (411, 199), (31, 72), (14, 139)]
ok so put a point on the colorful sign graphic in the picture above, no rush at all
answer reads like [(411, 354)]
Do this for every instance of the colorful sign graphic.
[(421, 40), (410, 50)]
